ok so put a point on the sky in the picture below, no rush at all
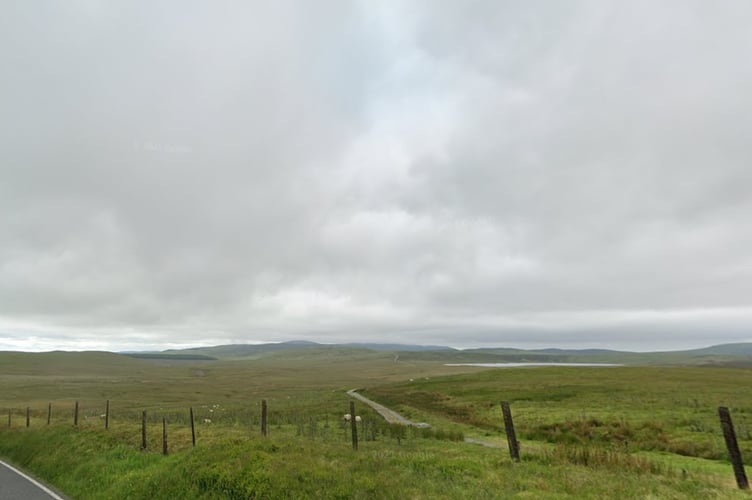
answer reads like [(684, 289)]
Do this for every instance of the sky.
[(465, 173)]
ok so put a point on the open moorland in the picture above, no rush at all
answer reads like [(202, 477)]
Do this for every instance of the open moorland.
[(642, 431)]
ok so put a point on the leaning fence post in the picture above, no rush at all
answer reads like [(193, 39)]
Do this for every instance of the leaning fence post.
[(514, 446), (75, 415), (27, 416), (143, 430), (733, 447), (164, 436), (264, 428), (49, 412), (193, 429), (353, 426)]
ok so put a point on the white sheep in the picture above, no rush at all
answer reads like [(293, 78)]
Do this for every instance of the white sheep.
[(207, 420)]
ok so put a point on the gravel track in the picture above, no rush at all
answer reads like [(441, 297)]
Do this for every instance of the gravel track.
[(390, 416), (393, 417)]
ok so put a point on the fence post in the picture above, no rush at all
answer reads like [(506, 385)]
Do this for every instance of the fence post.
[(353, 426), (107, 415), (164, 436), (733, 448), (264, 427), (27, 416), (193, 429), (9, 412), (143, 430), (49, 412), (75, 415), (514, 445)]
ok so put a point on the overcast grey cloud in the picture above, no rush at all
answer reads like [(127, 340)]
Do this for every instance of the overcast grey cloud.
[(526, 174)]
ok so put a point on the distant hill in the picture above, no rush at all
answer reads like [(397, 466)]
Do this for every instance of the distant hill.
[(577, 351), (244, 350), (739, 354), (399, 347), (259, 350), (170, 355), (738, 349), (62, 362)]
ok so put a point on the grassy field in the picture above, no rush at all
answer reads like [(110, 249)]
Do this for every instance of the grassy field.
[(636, 408), (630, 432)]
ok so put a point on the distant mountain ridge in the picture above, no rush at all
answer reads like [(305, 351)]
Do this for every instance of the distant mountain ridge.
[(256, 350), (736, 349), (398, 347), (715, 355)]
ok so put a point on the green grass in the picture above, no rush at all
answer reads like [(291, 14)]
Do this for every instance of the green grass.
[(635, 409), (585, 433), (234, 464)]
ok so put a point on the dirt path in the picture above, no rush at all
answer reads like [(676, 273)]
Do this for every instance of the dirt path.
[(393, 417), (390, 416)]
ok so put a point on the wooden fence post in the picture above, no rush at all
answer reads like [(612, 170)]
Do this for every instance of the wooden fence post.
[(107, 415), (27, 416), (164, 436), (9, 412), (264, 427), (75, 415), (733, 448), (353, 426), (514, 446), (193, 429), (143, 430), (49, 412)]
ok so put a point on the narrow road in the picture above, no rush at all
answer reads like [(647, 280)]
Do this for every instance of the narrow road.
[(393, 417), (390, 416), (16, 485)]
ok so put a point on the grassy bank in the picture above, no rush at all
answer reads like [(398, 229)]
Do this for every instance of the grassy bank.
[(586, 433), (670, 410), (92, 463)]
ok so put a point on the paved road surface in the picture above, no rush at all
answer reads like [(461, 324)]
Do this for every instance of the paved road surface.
[(15, 485)]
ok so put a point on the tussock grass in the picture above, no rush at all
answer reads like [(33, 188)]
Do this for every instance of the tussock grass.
[(609, 458), (670, 410)]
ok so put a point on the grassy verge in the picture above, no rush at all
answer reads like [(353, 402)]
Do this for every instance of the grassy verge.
[(586, 433), (228, 463), (638, 409)]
